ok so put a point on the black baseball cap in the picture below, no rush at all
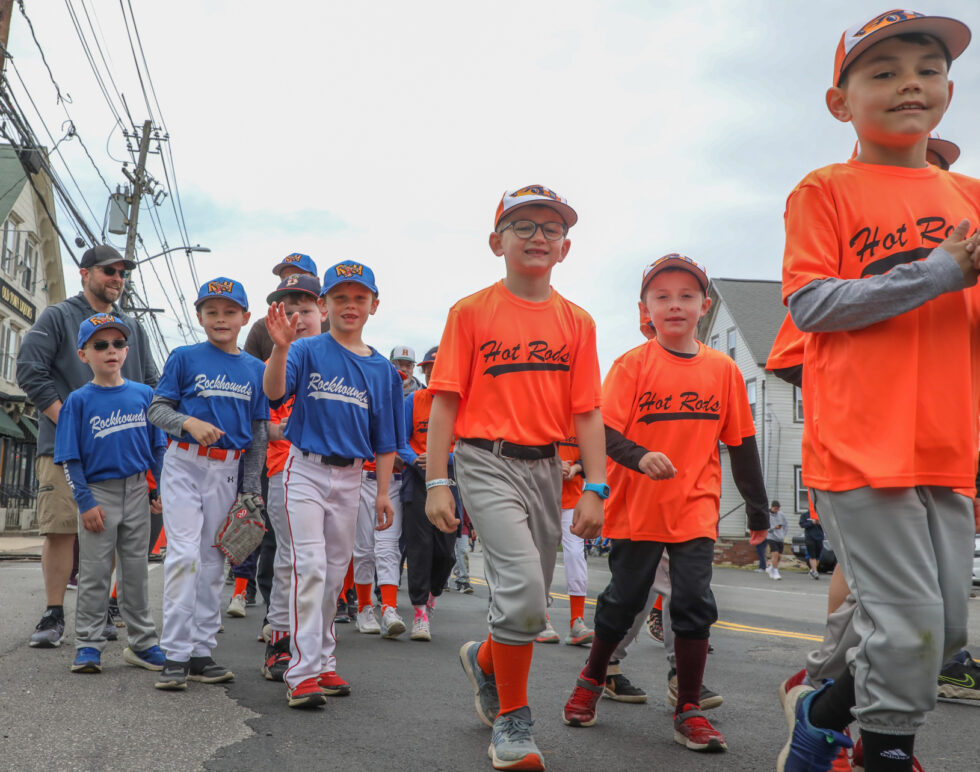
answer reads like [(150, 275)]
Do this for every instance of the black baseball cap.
[(103, 254), (430, 356), (299, 283)]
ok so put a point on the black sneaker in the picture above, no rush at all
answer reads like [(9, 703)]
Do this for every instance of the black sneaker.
[(115, 616), (276, 660), (352, 605), (709, 699), (960, 678), (619, 688), (207, 671), (341, 617), (47, 634), (109, 631), (173, 677)]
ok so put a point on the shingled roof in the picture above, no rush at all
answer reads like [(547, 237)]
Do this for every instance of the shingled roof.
[(757, 308)]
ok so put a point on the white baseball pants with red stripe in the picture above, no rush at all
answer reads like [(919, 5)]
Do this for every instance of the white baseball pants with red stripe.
[(377, 550)]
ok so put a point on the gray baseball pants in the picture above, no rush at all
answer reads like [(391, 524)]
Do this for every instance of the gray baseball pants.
[(906, 554), (516, 508), (127, 532)]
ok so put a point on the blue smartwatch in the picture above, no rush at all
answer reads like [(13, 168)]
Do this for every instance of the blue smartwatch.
[(602, 491)]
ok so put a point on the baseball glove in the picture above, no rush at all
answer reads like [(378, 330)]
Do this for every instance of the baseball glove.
[(243, 529)]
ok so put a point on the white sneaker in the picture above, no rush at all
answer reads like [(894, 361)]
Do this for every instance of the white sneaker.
[(579, 634), (237, 606), (769, 570), (548, 635), (420, 629), (775, 574), (392, 625), (367, 622)]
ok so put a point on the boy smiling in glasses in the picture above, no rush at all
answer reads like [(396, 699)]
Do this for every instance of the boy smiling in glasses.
[(106, 445), (517, 366)]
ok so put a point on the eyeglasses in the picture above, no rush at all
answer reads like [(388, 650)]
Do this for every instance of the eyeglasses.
[(108, 270), (102, 345), (525, 229)]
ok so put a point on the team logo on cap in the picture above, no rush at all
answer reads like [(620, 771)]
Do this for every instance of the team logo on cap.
[(885, 19), (293, 258), (536, 190), (291, 280), (104, 319), (347, 270), (219, 287)]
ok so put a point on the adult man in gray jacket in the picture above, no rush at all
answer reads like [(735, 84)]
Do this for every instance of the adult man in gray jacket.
[(48, 369)]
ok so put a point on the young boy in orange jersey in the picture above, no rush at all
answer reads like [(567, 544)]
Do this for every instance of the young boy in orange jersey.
[(517, 366), (677, 395), (431, 553), (298, 294), (880, 274)]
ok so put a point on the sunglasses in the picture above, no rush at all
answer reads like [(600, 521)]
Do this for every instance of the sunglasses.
[(108, 270), (102, 345)]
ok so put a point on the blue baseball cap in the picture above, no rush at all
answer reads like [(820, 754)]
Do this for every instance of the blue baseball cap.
[(348, 271), (222, 287), (98, 322), (297, 260)]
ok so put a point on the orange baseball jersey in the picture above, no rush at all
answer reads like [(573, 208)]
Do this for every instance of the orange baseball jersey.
[(893, 404), (278, 450), (682, 408), (421, 407), (522, 369), (787, 349), (571, 490)]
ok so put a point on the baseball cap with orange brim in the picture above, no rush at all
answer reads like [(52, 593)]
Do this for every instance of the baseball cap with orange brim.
[(948, 151), (953, 34), (674, 260), (534, 195)]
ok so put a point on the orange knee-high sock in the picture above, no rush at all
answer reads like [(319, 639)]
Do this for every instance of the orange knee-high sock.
[(659, 603), (484, 657), (363, 596), (241, 584), (114, 596), (577, 602), (389, 595), (511, 665), (349, 579)]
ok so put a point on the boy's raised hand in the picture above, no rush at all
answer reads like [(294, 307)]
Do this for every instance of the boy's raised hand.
[(282, 329), (440, 508), (657, 466), (964, 250), (93, 519)]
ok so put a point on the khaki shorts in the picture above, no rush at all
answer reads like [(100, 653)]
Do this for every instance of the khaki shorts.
[(56, 509)]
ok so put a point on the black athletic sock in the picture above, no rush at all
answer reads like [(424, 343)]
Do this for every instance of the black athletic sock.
[(599, 656), (832, 708), (58, 610), (887, 752)]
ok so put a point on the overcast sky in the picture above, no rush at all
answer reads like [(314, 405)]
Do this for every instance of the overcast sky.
[(386, 133)]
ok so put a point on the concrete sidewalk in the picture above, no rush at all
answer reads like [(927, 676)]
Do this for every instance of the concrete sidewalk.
[(25, 546)]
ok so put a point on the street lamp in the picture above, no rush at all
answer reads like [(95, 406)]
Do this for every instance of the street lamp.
[(173, 249)]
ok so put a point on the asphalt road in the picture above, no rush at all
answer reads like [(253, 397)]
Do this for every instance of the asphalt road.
[(411, 706)]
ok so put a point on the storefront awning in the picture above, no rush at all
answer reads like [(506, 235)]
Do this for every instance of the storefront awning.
[(8, 428), (29, 427)]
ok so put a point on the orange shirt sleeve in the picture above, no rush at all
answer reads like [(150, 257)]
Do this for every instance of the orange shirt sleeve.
[(586, 390), (738, 421), (812, 240), (454, 365)]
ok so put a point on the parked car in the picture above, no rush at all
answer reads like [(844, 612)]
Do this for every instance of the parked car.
[(827, 558)]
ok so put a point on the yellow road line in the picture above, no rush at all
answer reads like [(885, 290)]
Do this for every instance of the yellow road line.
[(730, 626)]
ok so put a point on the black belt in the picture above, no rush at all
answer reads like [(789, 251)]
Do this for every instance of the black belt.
[(331, 460), (374, 475), (512, 450)]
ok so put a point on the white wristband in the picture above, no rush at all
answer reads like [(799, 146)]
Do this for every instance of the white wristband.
[(430, 484)]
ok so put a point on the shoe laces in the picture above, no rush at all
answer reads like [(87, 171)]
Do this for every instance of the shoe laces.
[(584, 698), (515, 727), (49, 620)]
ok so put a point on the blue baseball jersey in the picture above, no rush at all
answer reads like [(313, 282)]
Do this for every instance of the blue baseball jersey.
[(346, 404), (220, 388), (105, 428)]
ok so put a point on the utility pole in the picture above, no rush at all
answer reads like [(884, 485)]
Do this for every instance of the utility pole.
[(6, 10), (136, 179)]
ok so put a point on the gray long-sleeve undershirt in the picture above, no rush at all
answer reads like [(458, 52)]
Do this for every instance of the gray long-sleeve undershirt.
[(162, 413), (836, 305)]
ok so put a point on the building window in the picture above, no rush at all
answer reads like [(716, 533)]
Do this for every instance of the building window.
[(715, 342), (797, 405), (802, 502), (29, 273), (750, 390), (8, 351), (731, 343), (11, 243)]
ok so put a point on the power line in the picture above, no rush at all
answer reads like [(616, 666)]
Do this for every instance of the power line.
[(41, 51)]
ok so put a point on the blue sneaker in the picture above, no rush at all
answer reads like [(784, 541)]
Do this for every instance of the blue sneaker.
[(152, 658), (512, 745), (809, 748), (87, 660), (486, 701)]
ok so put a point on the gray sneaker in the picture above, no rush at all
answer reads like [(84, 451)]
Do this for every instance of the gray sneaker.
[(207, 671), (173, 677), (486, 701), (512, 746), (47, 634)]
